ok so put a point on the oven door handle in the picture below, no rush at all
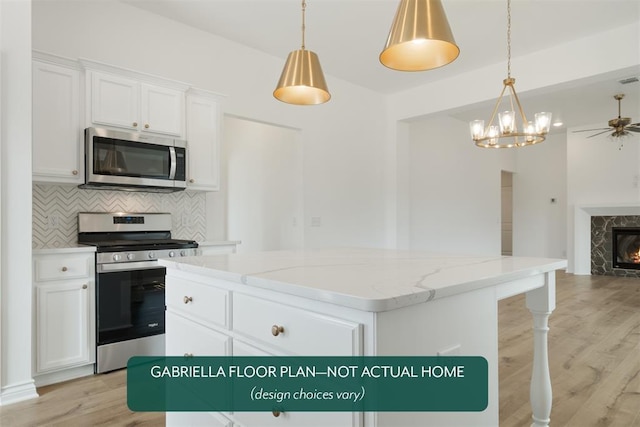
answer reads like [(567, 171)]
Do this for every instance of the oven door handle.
[(127, 266)]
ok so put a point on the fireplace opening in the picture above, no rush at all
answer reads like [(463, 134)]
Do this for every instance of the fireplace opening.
[(626, 247)]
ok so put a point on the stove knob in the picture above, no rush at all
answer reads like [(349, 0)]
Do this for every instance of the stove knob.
[(183, 253), (130, 257), (117, 257), (151, 255), (172, 254)]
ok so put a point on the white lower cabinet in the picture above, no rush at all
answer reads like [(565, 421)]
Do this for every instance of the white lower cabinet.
[(215, 318), (197, 419), (64, 307), (187, 338), (284, 418)]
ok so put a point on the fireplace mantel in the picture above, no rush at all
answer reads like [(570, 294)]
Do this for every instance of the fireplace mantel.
[(582, 230)]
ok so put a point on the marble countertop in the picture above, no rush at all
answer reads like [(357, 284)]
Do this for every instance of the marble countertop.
[(365, 279), (219, 243), (63, 250)]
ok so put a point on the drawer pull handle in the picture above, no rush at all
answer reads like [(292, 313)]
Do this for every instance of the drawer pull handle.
[(276, 413), (74, 172), (188, 355), (64, 268), (187, 299), (277, 330), (84, 286), (135, 124), (146, 125)]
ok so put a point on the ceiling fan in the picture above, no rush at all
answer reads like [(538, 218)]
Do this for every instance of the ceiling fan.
[(621, 125)]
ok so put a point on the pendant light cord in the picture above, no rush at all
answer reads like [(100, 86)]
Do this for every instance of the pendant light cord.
[(304, 7), (509, 39)]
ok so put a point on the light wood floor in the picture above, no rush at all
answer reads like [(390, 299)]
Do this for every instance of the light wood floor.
[(594, 349)]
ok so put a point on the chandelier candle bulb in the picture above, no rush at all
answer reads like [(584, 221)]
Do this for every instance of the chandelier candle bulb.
[(543, 122), (507, 121), (530, 130), (492, 134), (477, 129)]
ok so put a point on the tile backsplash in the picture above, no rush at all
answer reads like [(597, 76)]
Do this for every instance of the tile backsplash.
[(56, 207)]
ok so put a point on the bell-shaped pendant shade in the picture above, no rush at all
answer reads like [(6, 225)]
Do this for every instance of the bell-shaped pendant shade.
[(420, 37), (302, 81)]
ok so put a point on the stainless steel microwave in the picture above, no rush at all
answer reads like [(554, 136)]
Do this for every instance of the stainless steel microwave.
[(134, 161)]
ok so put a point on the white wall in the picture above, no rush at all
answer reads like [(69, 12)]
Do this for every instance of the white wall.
[(454, 190), (343, 140), (599, 173), (15, 202), (265, 185), (590, 57), (539, 226)]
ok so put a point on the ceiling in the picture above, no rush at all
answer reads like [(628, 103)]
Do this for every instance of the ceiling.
[(348, 35)]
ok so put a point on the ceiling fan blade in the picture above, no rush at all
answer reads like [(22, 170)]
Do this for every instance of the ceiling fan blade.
[(600, 133), (632, 129), (589, 130)]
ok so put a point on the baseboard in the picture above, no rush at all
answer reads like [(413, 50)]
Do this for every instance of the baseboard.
[(17, 393), (64, 375)]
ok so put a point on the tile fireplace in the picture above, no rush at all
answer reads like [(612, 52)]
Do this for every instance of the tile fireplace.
[(615, 245)]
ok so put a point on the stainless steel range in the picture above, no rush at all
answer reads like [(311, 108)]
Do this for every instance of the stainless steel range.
[(130, 301)]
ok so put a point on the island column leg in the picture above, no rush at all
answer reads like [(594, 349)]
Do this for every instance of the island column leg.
[(541, 302)]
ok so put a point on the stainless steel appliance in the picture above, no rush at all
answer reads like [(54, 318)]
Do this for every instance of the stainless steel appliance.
[(130, 300), (134, 161)]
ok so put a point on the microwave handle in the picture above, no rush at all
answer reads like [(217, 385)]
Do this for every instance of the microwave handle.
[(172, 168)]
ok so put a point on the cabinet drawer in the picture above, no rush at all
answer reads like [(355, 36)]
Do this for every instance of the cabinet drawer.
[(197, 419), (61, 268), (295, 331), (297, 419), (185, 337), (198, 301)]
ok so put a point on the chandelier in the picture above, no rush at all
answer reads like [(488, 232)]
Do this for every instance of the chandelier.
[(302, 81), (512, 130)]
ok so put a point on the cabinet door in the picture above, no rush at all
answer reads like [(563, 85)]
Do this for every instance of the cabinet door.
[(284, 418), (187, 338), (64, 336), (162, 110), (57, 132), (114, 100), (203, 139)]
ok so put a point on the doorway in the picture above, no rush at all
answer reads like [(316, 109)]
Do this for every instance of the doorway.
[(265, 188), (506, 201)]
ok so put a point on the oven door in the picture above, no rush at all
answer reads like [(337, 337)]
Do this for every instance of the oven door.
[(130, 304)]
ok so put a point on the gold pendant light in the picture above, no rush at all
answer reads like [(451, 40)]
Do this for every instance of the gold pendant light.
[(508, 133), (302, 81), (420, 38)]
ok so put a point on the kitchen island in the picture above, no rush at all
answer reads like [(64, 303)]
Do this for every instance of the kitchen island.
[(351, 302)]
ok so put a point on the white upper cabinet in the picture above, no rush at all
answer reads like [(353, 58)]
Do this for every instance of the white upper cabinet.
[(135, 101), (204, 118), (70, 95), (57, 131), (128, 103), (162, 110), (114, 100)]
